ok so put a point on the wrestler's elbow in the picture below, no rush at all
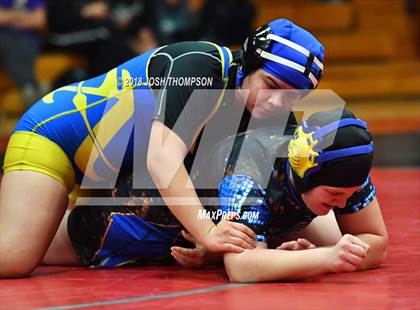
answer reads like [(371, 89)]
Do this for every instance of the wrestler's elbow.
[(165, 155), (163, 167), (237, 268), (152, 162), (377, 254), (381, 252), (155, 167)]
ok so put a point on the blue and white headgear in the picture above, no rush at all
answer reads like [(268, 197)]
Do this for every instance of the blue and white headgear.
[(286, 51)]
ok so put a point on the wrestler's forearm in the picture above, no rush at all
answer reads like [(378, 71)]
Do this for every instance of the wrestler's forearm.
[(261, 265), (183, 202), (165, 158)]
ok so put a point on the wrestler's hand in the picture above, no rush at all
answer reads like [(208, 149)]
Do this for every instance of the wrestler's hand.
[(347, 254), (296, 245), (229, 236), (194, 258)]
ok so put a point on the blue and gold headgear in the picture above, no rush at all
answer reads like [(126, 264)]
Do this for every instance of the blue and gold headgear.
[(344, 163)]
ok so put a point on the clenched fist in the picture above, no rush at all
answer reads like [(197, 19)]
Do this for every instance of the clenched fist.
[(347, 254)]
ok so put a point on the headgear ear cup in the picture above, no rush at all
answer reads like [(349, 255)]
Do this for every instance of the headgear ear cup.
[(252, 48), (301, 152)]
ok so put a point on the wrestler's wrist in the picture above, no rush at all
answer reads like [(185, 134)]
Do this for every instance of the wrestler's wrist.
[(205, 238)]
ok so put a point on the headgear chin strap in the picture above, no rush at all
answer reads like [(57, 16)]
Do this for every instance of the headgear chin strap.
[(306, 157), (286, 51)]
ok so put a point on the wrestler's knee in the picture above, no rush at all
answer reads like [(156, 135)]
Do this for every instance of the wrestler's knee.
[(13, 264)]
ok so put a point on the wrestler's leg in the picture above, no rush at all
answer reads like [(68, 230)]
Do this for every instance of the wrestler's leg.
[(32, 205), (61, 251), (322, 231)]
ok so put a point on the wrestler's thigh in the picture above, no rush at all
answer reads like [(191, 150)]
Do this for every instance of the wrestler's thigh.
[(32, 205)]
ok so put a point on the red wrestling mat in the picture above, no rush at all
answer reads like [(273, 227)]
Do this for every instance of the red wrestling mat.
[(394, 286)]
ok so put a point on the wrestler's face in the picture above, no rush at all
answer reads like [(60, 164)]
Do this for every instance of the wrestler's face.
[(267, 95), (322, 199)]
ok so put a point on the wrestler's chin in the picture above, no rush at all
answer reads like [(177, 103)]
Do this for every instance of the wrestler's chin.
[(260, 113), (320, 209)]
